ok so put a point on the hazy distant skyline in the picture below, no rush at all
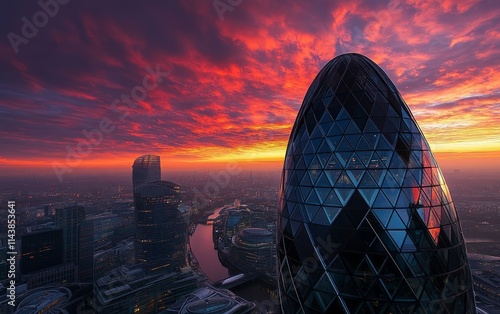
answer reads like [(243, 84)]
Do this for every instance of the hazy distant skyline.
[(236, 77)]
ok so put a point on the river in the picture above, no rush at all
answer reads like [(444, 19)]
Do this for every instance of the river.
[(202, 247)]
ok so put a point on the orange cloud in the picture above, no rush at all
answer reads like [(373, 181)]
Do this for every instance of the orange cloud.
[(235, 86)]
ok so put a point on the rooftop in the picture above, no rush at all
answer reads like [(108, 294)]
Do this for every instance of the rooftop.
[(211, 300)]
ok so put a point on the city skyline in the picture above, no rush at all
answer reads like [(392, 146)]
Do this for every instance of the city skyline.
[(224, 84), (250, 156)]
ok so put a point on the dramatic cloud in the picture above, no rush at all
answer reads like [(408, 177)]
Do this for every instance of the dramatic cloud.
[(229, 82)]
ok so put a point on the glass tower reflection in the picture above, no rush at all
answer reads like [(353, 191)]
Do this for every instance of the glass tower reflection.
[(366, 223), (156, 206), (146, 168)]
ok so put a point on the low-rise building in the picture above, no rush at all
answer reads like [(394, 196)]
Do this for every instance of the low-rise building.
[(211, 300), (133, 290)]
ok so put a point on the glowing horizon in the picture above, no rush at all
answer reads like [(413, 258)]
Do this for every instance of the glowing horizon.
[(229, 89)]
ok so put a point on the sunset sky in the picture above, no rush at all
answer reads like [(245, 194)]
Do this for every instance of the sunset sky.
[(237, 74)]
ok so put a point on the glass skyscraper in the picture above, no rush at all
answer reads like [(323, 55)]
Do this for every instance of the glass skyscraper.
[(253, 250), (41, 249), (156, 207), (146, 168), (366, 223), (78, 240)]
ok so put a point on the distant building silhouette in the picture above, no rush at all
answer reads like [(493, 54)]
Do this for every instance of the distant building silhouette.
[(146, 168)]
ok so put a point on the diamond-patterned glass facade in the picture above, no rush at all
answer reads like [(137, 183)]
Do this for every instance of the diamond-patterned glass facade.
[(366, 223)]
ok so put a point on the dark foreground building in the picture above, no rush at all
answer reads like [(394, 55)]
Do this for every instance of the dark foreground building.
[(207, 299), (254, 250), (136, 290), (41, 249), (67, 298), (78, 240), (366, 223), (158, 242)]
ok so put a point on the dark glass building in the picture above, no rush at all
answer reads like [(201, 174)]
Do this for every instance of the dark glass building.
[(41, 249), (68, 219), (233, 220), (156, 215), (86, 251), (146, 168), (78, 240), (366, 223), (253, 250)]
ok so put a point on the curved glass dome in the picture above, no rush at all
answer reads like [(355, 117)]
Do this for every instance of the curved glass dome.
[(366, 223)]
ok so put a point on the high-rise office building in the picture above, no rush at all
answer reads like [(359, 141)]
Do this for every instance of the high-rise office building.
[(156, 213), (86, 251), (78, 240), (68, 219), (41, 248), (366, 223), (146, 168)]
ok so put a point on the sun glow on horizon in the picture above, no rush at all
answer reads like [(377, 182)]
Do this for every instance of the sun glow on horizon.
[(235, 87)]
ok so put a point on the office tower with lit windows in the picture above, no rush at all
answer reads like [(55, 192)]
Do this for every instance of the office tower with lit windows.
[(41, 248), (156, 214), (146, 168), (366, 223), (253, 250)]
